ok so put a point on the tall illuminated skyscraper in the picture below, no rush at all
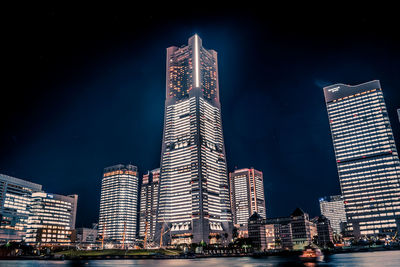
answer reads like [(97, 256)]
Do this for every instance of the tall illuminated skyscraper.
[(118, 204), (148, 204), (194, 192), (366, 155), (247, 194)]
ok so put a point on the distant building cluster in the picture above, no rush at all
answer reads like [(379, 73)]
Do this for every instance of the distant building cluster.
[(29, 214), (191, 198), (289, 233)]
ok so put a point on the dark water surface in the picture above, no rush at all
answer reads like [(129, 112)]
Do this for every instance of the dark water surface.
[(379, 258)]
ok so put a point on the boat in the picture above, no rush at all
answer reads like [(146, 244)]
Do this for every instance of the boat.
[(311, 254)]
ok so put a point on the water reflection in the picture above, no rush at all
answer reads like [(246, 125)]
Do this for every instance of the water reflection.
[(381, 259)]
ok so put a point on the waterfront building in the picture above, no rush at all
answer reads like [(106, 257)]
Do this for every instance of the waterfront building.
[(257, 231), (366, 157), (271, 242), (324, 231), (118, 204), (194, 191), (333, 208), (15, 197), (285, 236), (247, 194), (302, 229), (149, 197), (51, 219), (282, 232)]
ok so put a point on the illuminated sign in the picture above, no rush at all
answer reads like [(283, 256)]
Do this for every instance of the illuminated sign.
[(334, 89)]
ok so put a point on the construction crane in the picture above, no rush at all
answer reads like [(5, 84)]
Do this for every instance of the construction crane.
[(394, 237), (123, 236), (145, 235), (103, 235), (163, 233), (90, 232)]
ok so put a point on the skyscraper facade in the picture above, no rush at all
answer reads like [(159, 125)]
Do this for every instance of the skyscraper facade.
[(118, 204), (52, 219), (194, 193), (247, 194), (15, 198), (148, 204), (333, 208), (366, 155)]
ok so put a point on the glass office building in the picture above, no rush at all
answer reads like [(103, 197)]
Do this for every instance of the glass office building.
[(15, 197), (366, 155), (51, 220), (118, 204), (333, 208), (247, 194), (194, 193)]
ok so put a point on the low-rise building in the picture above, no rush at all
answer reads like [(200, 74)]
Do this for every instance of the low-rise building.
[(282, 232), (15, 197), (256, 229), (325, 233), (86, 235), (51, 219), (301, 229)]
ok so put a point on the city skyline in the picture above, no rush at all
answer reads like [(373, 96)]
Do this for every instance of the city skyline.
[(281, 133)]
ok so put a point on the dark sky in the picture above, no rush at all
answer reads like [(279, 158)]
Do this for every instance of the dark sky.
[(84, 89)]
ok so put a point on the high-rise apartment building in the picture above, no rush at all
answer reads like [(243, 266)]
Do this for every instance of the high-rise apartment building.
[(333, 208), (148, 204), (15, 197), (247, 194), (52, 219), (118, 204), (194, 192), (366, 155)]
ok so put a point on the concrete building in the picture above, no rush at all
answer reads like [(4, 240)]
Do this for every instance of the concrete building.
[(257, 231), (333, 208), (247, 195), (86, 236), (366, 157), (15, 197), (282, 231), (194, 191), (324, 231), (51, 219), (118, 205), (149, 198), (302, 229)]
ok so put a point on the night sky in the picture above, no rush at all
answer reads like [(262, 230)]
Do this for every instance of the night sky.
[(84, 88)]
